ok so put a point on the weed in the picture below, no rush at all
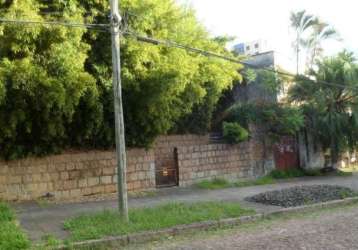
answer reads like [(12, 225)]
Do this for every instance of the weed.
[(217, 183), (11, 236)]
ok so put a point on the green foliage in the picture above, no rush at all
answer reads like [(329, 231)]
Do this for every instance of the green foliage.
[(344, 173), (295, 172), (56, 86), (217, 183), (161, 85), (233, 133), (108, 223), (6, 214), (331, 110), (265, 180), (42, 72), (279, 120), (49, 242), (286, 174), (11, 237)]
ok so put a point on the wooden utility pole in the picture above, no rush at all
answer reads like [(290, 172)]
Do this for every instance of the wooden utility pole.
[(118, 110)]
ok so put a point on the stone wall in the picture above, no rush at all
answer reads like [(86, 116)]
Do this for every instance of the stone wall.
[(164, 147), (214, 161), (73, 175), (81, 175)]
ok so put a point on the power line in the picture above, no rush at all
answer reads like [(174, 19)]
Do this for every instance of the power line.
[(173, 44), (168, 43)]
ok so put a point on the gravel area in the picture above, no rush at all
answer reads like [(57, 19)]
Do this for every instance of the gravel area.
[(302, 195)]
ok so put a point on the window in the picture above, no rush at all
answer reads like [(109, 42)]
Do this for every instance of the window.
[(247, 47), (256, 45)]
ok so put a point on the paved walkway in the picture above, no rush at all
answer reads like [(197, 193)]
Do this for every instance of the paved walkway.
[(40, 220)]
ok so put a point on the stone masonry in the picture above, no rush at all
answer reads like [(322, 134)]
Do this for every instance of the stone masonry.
[(214, 161), (74, 175), (81, 175)]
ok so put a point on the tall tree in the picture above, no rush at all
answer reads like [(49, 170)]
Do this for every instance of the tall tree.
[(43, 79), (320, 31), (55, 82), (331, 110), (301, 22), (161, 85)]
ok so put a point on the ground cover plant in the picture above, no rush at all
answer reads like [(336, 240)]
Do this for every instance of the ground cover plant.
[(11, 236), (108, 223), (271, 178)]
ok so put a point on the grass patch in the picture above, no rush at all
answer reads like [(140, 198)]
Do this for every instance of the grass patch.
[(266, 180), (142, 194), (344, 173), (217, 183), (266, 224), (108, 223), (11, 236), (286, 174), (271, 178)]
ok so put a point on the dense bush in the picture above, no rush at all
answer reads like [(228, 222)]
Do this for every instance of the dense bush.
[(278, 119), (56, 86), (233, 133)]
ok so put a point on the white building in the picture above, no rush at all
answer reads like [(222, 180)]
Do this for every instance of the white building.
[(252, 48)]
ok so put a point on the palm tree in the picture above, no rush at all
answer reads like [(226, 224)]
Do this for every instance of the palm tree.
[(331, 111), (301, 22), (320, 31)]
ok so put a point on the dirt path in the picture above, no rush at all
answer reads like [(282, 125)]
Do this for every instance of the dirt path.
[(332, 229)]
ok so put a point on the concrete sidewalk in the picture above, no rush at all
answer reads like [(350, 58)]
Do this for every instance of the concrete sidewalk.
[(39, 220)]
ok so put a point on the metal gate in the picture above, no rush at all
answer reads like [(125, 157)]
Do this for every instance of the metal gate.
[(167, 175), (286, 153)]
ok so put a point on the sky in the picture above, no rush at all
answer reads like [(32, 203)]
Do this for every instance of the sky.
[(269, 20)]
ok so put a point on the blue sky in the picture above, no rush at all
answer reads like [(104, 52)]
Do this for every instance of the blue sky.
[(269, 20)]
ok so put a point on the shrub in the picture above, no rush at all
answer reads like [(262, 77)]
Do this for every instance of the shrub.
[(285, 174), (234, 133)]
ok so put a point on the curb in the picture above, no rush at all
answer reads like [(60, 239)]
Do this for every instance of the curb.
[(206, 225)]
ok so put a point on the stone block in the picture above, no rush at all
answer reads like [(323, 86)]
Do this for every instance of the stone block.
[(74, 175), (70, 184), (64, 175), (93, 181), (70, 166), (82, 183), (75, 193), (106, 179), (110, 188), (108, 171)]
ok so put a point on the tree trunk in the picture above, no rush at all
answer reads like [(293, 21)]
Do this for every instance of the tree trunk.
[(334, 154)]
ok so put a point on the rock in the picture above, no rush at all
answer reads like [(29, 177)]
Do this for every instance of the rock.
[(302, 195)]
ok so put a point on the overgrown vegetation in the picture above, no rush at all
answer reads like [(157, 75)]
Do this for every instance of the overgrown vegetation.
[(233, 133), (11, 236), (56, 86), (277, 119), (331, 110), (107, 223), (271, 178)]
